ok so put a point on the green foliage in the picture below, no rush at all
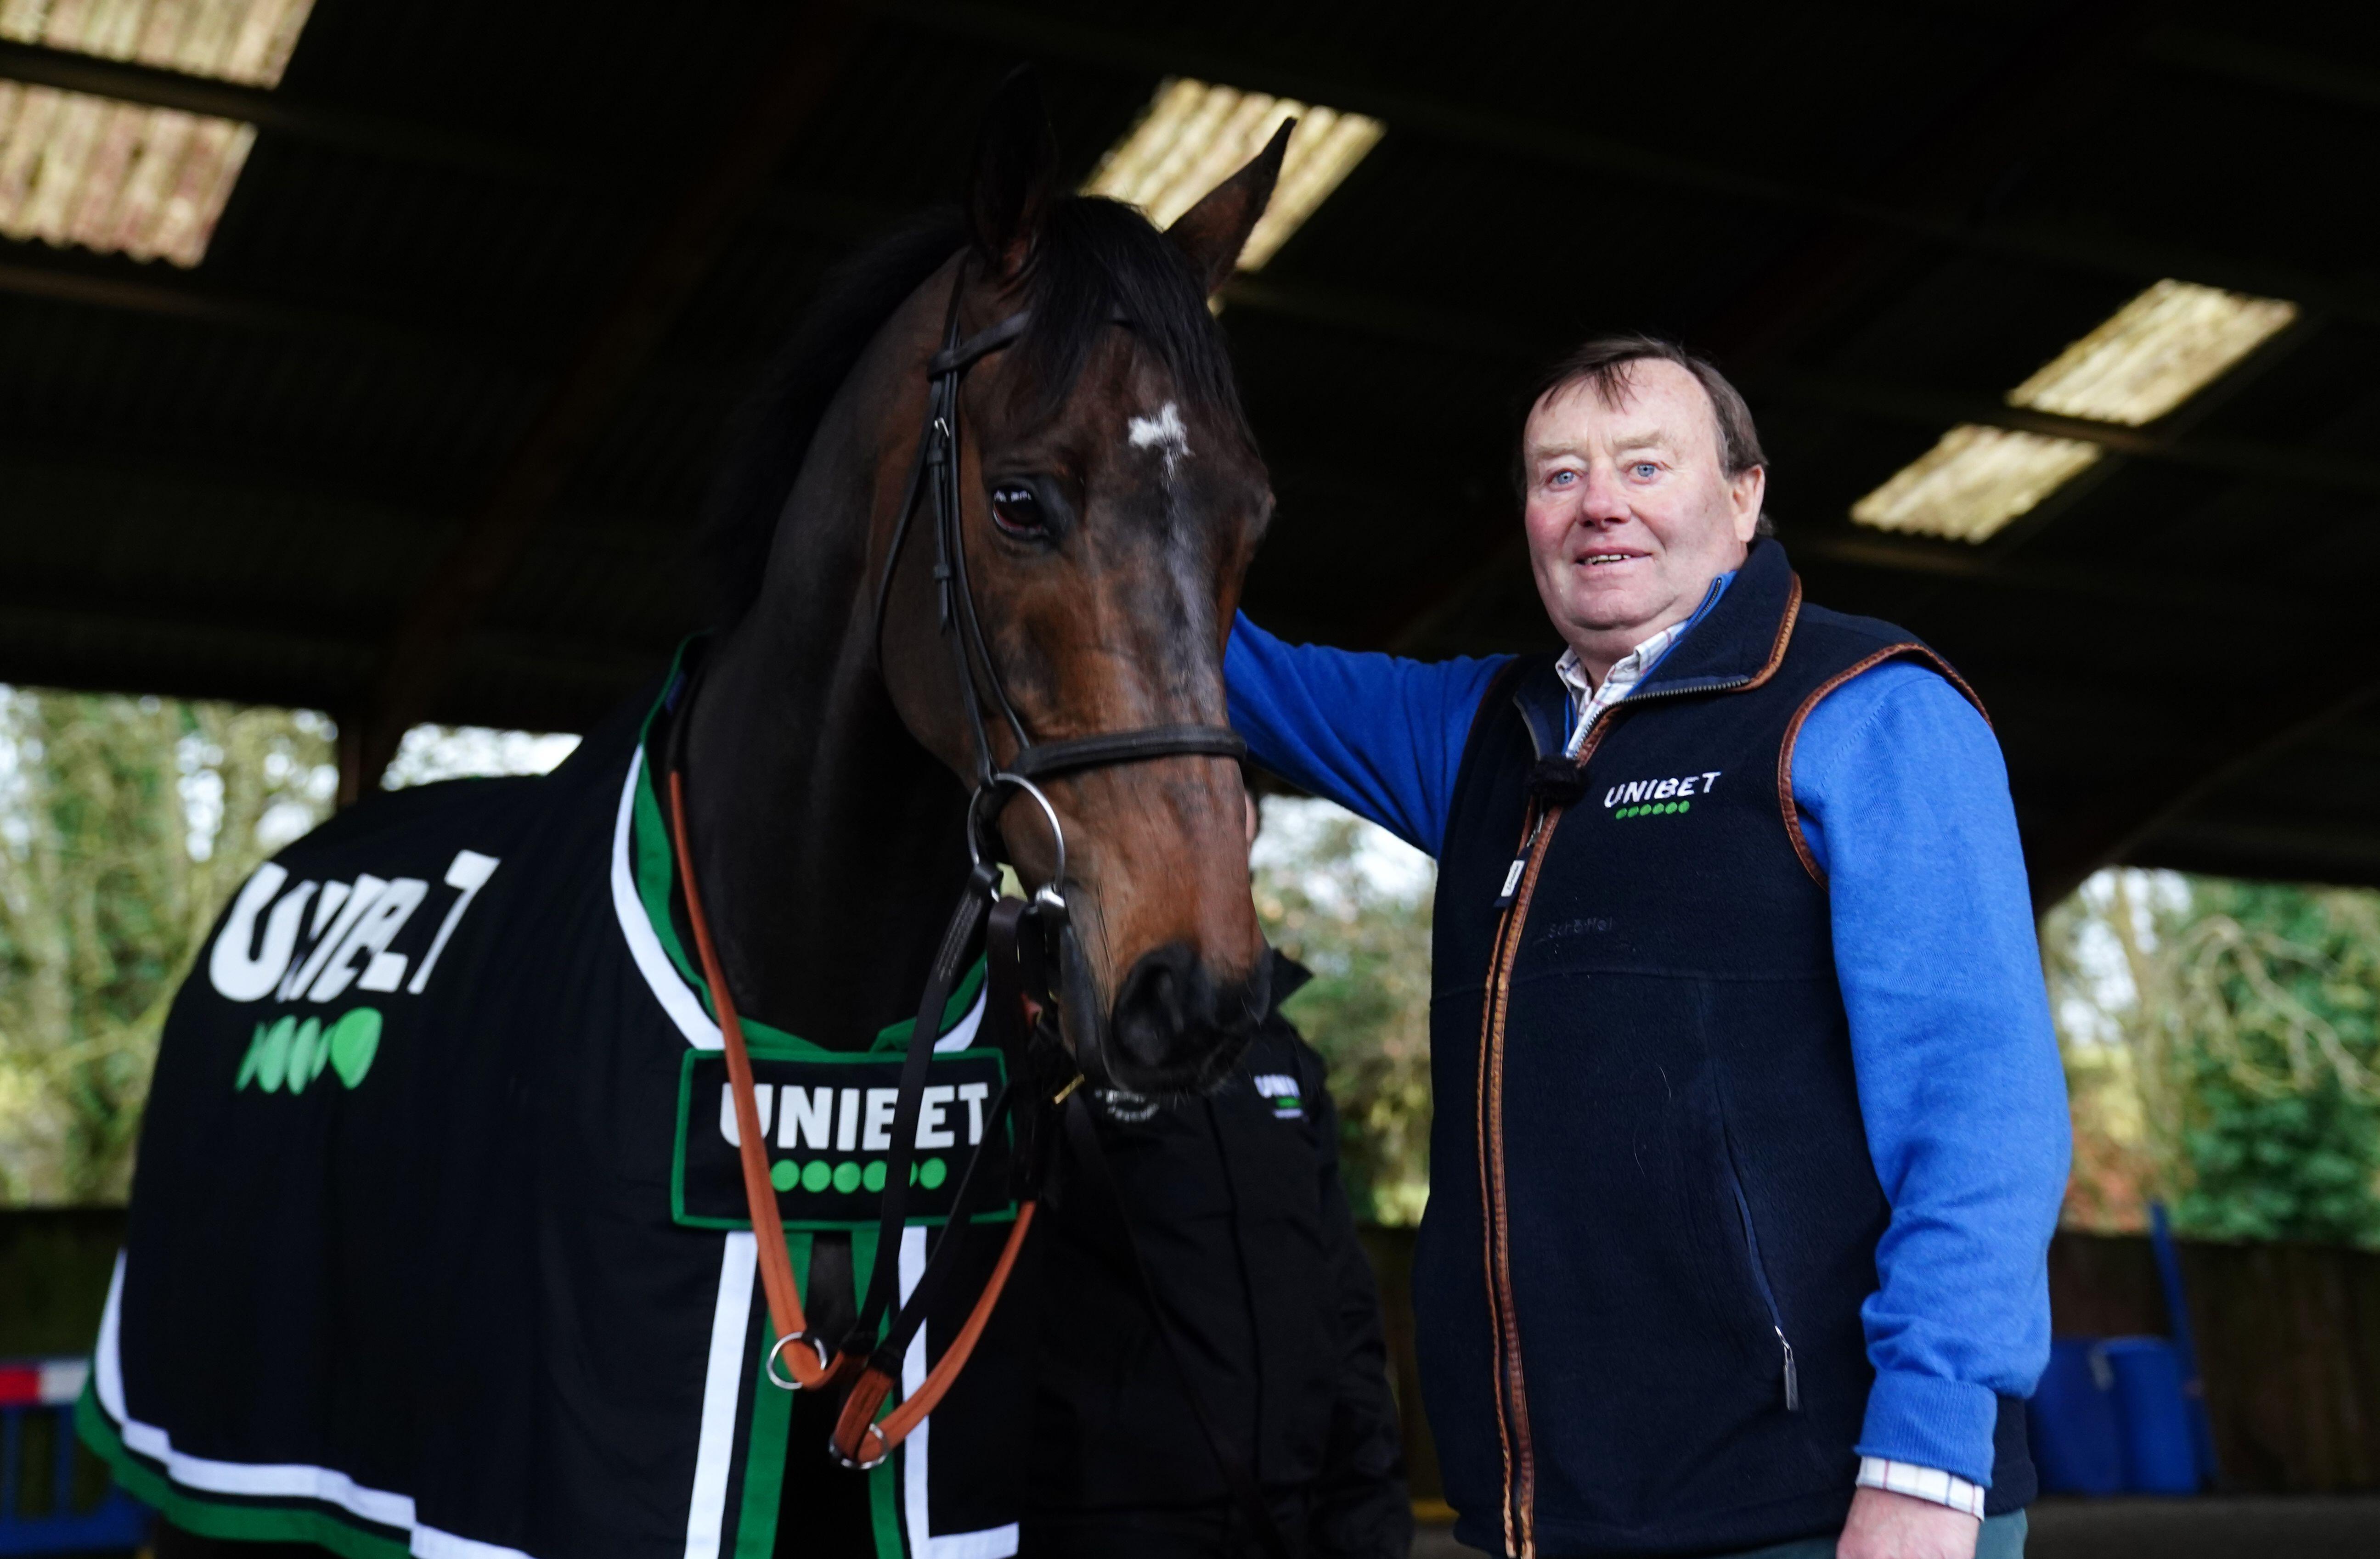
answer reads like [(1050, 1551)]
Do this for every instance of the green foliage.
[(2280, 1119), (2221, 1041), (125, 823), (1367, 1008)]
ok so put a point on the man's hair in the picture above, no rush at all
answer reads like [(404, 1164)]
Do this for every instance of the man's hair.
[(1606, 364)]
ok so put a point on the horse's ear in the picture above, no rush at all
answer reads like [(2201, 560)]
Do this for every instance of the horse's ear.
[(1016, 173), (1213, 232)]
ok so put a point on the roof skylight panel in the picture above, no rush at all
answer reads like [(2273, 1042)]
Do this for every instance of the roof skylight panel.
[(121, 178), (2145, 359), (2154, 353), (1974, 481), (1195, 135)]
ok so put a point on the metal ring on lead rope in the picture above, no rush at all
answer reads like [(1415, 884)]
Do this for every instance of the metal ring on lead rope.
[(1056, 829), (769, 1365)]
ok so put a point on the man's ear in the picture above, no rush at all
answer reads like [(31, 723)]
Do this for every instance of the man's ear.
[(1746, 495), (1213, 232), (1015, 174)]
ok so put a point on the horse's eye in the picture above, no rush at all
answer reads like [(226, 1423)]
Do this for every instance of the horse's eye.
[(1016, 511)]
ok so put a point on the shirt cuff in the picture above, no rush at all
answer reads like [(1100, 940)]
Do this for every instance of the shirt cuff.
[(1922, 1483), (1931, 1420)]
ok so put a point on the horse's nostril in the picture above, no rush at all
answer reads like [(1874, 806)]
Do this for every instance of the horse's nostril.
[(1166, 999), (1175, 1028)]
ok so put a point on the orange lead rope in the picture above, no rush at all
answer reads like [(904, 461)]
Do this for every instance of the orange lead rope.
[(858, 1440), (863, 1443), (809, 1363)]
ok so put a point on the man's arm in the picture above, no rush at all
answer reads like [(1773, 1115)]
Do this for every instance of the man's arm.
[(1380, 735), (1905, 803)]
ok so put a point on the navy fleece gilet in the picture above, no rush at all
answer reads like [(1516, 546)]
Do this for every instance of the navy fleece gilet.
[(1653, 1192)]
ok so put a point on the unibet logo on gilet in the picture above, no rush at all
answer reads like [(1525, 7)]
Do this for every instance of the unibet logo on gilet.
[(1650, 798)]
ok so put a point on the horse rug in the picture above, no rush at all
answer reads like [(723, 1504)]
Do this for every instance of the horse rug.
[(438, 1243)]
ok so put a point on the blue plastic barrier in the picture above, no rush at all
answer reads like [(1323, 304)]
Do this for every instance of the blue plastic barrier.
[(44, 1390), (2126, 1415), (2185, 1348), (2159, 1457), (2073, 1423)]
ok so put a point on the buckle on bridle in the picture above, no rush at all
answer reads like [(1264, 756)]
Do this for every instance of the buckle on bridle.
[(1049, 897), (769, 1365)]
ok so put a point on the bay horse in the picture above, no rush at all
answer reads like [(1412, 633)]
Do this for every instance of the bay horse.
[(444, 1239)]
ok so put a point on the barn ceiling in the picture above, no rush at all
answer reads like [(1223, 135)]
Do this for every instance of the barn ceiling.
[(422, 432)]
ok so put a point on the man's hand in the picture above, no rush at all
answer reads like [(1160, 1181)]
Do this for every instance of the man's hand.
[(1884, 1524)]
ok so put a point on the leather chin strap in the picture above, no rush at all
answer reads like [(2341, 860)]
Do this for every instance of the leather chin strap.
[(1025, 942)]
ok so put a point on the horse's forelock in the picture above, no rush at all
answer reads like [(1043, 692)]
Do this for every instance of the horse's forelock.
[(1095, 258)]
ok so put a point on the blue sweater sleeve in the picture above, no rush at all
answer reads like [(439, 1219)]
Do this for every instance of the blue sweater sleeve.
[(1380, 735), (1904, 799)]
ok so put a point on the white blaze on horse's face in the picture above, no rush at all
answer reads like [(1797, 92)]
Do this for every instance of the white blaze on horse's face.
[(1163, 432)]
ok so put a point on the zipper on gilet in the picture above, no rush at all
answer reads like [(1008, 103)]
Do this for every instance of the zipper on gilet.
[(1512, 1386), (1768, 1295)]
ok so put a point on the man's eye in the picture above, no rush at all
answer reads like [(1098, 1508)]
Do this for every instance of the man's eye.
[(1018, 512), (1645, 471), (1561, 478)]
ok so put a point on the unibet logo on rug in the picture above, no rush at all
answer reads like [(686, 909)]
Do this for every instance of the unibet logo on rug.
[(303, 945), (826, 1125), (286, 1054), (270, 945)]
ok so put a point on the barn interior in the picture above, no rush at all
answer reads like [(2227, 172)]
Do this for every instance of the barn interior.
[(376, 357)]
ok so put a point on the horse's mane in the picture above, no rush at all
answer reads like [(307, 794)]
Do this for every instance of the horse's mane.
[(1093, 259)]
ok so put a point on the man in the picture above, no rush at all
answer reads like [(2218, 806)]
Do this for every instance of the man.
[(1749, 1126), (1238, 1212)]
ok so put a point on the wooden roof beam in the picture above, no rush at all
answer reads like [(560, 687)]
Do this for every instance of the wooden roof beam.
[(1421, 326), (2294, 465), (271, 110), (2128, 810), (37, 271)]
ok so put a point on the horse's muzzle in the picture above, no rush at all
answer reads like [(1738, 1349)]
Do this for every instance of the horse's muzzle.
[(1175, 1029)]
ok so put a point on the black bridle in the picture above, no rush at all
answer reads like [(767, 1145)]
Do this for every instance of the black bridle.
[(936, 469), (1026, 943)]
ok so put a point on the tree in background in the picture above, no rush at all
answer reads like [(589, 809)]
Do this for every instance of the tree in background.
[(1354, 905), (2221, 1042), (124, 823)]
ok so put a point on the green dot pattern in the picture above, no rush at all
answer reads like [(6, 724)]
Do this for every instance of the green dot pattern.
[(816, 1173), (846, 1177), (272, 1057), (932, 1173), (784, 1174), (248, 1062), (873, 1176), (307, 1054), (1657, 807), (355, 1040)]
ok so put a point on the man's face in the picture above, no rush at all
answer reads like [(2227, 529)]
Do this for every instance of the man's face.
[(1631, 513)]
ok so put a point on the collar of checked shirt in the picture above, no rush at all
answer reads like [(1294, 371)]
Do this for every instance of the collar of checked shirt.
[(1622, 678), (1621, 681)]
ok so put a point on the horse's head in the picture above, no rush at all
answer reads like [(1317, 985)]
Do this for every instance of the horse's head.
[(1110, 498)]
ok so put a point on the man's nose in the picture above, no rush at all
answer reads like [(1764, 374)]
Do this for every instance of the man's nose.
[(1602, 501)]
